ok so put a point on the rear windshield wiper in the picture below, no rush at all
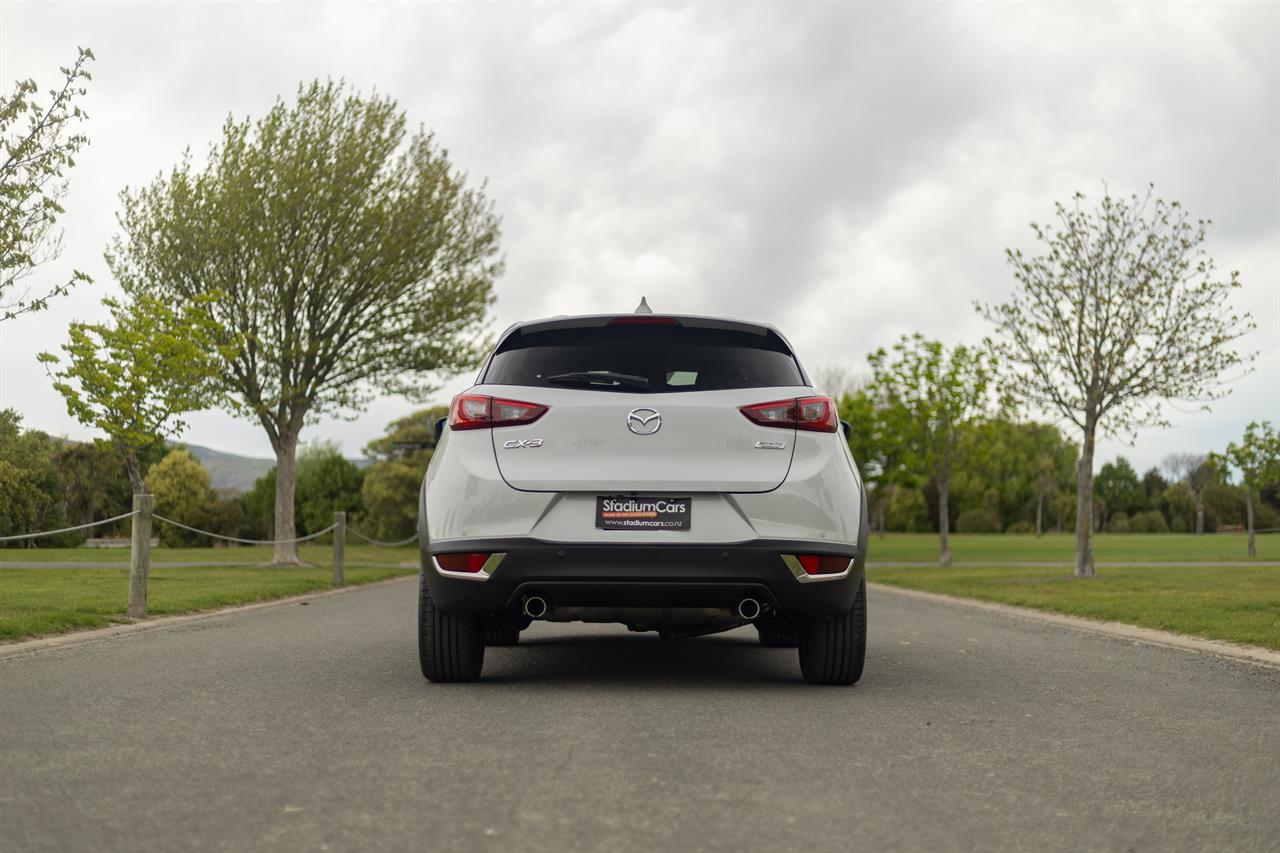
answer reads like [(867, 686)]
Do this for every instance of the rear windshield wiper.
[(601, 378)]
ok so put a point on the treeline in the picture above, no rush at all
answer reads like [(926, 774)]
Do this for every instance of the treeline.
[(47, 483), (1009, 476), (1019, 477)]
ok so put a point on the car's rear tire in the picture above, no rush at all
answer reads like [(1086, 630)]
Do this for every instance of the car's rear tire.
[(778, 634), (450, 645), (833, 649)]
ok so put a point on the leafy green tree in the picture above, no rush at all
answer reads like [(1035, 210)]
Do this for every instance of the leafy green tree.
[(352, 259), (182, 491), (978, 521), (21, 502), (135, 378), (390, 501), (1121, 311), (259, 507), (1178, 505), (38, 145), (1257, 458), (391, 484), (29, 483), (1150, 521), (1011, 468), (906, 509), (1153, 484), (328, 482), (91, 482), (1117, 484), (1223, 505), (876, 447), (929, 396)]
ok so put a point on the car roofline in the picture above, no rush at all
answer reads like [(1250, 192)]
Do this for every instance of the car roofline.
[(589, 321)]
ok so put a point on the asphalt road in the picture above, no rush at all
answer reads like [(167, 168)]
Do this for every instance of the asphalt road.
[(310, 728)]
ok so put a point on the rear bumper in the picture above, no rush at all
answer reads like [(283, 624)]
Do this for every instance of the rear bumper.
[(643, 575)]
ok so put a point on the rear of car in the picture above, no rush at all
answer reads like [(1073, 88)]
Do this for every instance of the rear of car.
[(676, 474)]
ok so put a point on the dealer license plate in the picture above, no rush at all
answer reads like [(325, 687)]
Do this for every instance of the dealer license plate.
[(631, 513)]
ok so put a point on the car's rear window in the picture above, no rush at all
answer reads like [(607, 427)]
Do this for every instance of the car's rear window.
[(669, 358)]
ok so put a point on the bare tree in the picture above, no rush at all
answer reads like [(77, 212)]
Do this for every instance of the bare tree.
[(1122, 311), (37, 148), (1045, 485), (837, 380), (1196, 471)]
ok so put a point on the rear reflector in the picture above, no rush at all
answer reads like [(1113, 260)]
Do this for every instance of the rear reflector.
[(478, 411), (823, 564), (817, 414), (469, 563)]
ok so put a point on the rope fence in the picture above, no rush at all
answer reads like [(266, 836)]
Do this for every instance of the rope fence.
[(379, 543), (143, 515), (237, 539), (26, 536)]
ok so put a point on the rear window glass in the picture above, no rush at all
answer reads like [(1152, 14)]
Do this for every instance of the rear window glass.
[(654, 359)]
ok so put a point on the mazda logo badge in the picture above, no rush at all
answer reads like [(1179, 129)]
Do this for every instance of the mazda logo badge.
[(644, 421)]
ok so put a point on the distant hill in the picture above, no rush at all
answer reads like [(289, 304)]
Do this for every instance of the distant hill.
[(230, 472)]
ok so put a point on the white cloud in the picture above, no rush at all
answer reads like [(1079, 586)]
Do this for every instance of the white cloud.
[(851, 172)]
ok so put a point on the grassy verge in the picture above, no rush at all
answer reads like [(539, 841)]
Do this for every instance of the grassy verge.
[(320, 555), (1234, 603), (892, 547), (1060, 547), (42, 601)]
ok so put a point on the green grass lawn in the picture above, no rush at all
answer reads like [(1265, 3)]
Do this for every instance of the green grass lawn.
[(1235, 603), (320, 555), (51, 601), (892, 547), (1060, 547)]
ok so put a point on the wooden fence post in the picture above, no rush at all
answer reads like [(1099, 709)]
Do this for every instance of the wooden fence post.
[(339, 548), (140, 556)]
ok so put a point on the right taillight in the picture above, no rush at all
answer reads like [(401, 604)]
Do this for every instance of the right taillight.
[(810, 413), (480, 411)]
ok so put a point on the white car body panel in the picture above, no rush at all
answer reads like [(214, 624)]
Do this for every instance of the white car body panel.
[(703, 444), (466, 496)]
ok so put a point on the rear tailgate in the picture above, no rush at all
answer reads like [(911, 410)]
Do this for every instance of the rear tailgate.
[(606, 442)]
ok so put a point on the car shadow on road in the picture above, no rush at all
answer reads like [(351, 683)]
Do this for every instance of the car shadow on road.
[(642, 659)]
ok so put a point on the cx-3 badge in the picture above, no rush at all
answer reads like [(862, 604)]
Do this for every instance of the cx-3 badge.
[(644, 421)]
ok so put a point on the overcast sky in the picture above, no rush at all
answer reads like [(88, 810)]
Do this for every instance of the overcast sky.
[(849, 172)]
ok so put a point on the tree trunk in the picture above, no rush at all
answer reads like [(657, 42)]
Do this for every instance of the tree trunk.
[(286, 553), (1248, 516), (1199, 514), (1039, 515), (944, 522), (1084, 504), (132, 465)]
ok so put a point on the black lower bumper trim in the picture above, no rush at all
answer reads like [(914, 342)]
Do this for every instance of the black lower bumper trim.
[(644, 575)]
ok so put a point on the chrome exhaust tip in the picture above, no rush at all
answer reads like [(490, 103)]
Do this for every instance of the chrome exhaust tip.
[(749, 608), (535, 607)]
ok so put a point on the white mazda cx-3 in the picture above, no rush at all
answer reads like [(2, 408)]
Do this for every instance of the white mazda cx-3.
[(671, 473)]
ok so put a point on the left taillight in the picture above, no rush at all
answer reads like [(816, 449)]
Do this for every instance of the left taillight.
[(817, 414), (480, 411)]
